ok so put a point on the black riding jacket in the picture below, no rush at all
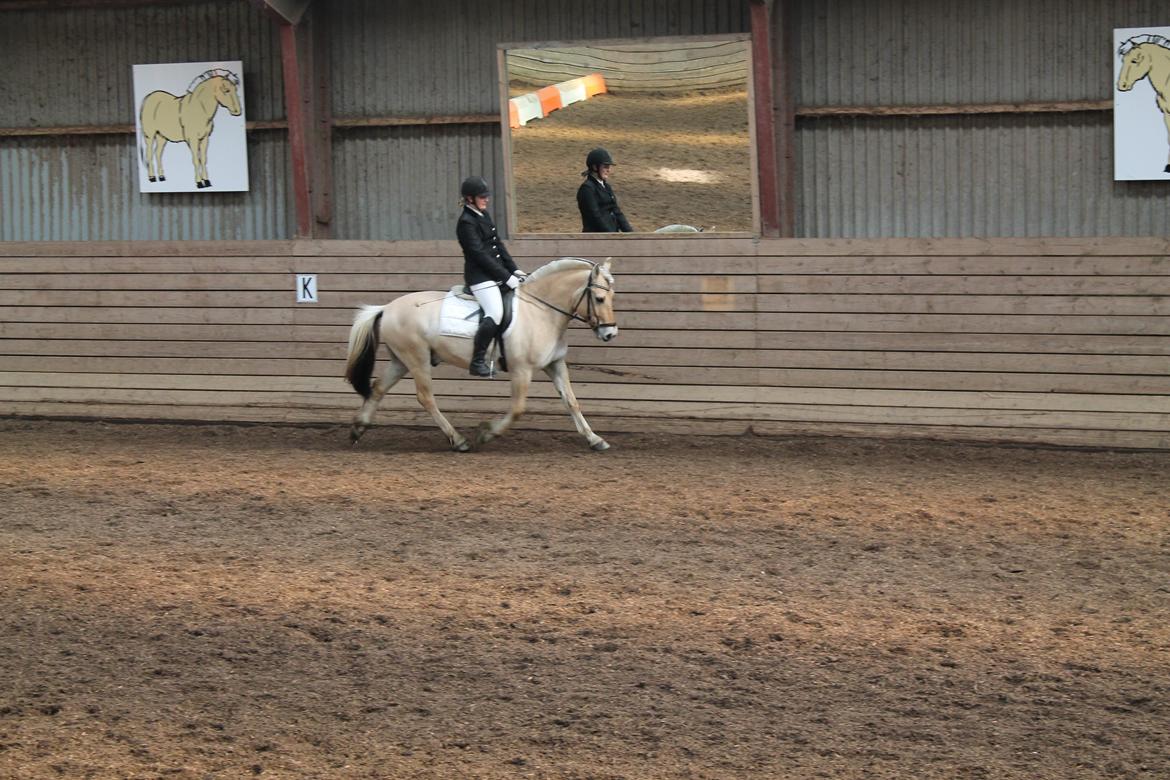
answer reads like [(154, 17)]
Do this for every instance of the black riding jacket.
[(484, 256), (600, 212)]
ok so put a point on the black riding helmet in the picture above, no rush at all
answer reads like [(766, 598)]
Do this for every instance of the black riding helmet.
[(474, 187), (597, 157)]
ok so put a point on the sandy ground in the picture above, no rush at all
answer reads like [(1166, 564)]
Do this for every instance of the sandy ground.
[(683, 159), (231, 602)]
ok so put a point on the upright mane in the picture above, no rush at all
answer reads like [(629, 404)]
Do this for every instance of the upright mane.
[(1138, 40), (210, 74), (560, 264)]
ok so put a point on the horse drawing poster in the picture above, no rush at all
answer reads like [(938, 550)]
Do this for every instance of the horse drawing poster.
[(1141, 103), (190, 121)]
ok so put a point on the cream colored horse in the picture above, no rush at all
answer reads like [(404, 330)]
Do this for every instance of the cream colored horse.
[(555, 294), (1148, 56), (166, 117)]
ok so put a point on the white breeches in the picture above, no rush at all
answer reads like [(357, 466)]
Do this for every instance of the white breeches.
[(488, 295)]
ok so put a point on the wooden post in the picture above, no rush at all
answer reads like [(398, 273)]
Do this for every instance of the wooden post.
[(762, 73), (321, 168), (294, 106), (782, 54)]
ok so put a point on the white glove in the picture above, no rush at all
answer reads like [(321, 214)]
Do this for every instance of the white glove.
[(512, 282)]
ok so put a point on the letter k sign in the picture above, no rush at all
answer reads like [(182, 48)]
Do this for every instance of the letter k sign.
[(306, 288)]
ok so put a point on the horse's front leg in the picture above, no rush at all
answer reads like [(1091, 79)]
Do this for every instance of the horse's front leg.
[(1166, 118), (193, 145), (559, 373), (203, 160), (521, 378)]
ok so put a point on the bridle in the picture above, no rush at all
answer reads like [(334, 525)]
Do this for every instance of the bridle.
[(591, 318)]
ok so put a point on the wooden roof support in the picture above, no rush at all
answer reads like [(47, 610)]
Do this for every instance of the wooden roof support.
[(775, 122), (284, 11), (307, 104)]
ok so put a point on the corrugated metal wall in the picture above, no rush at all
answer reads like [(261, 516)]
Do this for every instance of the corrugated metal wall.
[(73, 67), (996, 175), (439, 59)]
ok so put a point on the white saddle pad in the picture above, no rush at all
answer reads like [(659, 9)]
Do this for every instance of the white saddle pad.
[(459, 317)]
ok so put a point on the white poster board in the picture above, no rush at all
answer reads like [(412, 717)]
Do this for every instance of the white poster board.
[(1141, 113), (190, 121)]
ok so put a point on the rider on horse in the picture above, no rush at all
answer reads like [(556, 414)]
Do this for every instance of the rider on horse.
[(486, 266)]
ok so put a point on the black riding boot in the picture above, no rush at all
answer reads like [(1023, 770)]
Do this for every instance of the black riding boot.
[(483, 339)]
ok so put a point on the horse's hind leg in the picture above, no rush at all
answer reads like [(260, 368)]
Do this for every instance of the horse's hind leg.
[(393, 372), (559, 373), (426, 397)]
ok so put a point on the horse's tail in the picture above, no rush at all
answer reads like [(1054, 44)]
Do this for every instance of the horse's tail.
[(363, 348), (142, 133)]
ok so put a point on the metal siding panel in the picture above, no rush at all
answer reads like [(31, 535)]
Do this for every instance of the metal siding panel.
[(991, 175), (85, 190), (73, 67), (440, 59), (1000, 175)]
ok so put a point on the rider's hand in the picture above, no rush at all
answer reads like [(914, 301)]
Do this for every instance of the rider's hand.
[(513, 282)]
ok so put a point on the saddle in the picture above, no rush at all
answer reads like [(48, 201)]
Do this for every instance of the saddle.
[(507, 296)]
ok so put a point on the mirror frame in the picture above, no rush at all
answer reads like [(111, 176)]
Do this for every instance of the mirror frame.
[(506, 132)]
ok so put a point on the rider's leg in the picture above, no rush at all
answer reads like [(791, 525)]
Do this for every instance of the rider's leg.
[(488, 295)]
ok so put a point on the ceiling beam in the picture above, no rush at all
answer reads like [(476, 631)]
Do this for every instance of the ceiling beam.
[(67, 5)]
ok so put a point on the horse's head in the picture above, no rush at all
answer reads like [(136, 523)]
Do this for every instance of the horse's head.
[(1135, 65), (227, 94), (597, 302), (1137, 57)]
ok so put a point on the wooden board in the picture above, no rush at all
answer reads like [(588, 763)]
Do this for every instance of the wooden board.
[(1047, 340)]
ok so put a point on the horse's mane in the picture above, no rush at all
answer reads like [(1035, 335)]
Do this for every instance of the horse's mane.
[(560, 264), (1138, 40), (210, 74)]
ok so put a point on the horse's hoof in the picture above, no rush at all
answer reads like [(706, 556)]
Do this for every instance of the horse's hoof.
[(484, 434), (200, 184), (162, 178), (462, 446), (355, 433), (599, 446), (207, 182), (152, 178)]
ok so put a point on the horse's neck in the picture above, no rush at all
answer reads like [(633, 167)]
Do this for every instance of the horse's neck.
[(1159, 74), (203, 96), (561, 290)]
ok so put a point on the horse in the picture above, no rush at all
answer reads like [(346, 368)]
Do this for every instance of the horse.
[(566, 289), (166, 117), (1148, 56)]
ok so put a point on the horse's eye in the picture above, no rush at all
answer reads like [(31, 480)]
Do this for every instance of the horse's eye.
[(599, 298)]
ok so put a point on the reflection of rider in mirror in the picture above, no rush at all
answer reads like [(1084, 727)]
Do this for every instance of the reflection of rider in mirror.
[(486, 266), (600, 212)]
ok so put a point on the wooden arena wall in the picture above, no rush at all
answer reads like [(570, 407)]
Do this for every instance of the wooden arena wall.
[(1062, 341)]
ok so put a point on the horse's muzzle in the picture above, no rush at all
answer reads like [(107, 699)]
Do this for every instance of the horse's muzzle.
[(607, 332)]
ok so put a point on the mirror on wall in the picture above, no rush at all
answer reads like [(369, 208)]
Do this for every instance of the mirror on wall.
[(675, 115)]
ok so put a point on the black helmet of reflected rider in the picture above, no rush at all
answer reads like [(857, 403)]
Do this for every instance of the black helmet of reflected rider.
[(474, 187), (598, 157)]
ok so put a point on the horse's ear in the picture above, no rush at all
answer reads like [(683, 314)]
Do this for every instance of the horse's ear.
[(607, 263)]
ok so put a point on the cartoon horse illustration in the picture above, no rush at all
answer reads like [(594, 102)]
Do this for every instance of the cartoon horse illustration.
[(166, 117), (1148, 56)]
